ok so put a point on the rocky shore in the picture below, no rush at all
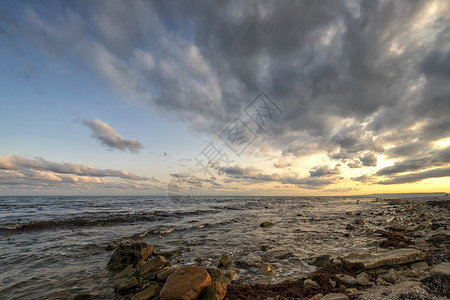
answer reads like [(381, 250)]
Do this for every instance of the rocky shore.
[(408, 258)]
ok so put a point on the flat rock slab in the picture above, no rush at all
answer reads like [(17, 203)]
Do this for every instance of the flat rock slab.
[(186, 283), (441, 269), (390, 258)]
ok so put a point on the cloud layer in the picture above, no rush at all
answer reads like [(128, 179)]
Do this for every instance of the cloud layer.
[(106, 135), (356, 80)]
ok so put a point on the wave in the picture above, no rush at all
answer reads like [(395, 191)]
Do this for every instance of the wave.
[(82, 221)]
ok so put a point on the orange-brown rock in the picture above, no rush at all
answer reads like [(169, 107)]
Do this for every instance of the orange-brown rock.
[(186, 283)]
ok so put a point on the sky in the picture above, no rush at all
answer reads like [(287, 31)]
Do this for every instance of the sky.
[(224, 97)]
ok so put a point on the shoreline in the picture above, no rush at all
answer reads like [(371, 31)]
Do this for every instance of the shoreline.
[(411, 223)]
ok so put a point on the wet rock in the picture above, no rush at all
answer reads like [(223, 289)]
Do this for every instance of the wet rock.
[(230, 274), (350, 227), (147, 293), (335, 296), (218, 287), (435, 226), (284, 255), (347, 279), (126, 286), (129, 253), (266, 268), (152, 264), (308, 283), (249, 262), (225, 261), (363, 279), (187, 283), (216, 291), (319, 261), (266, 224), (394, 257), (441, 269), (391, 276), (83, 296), (161, 276), (127, 272), (360, 221)]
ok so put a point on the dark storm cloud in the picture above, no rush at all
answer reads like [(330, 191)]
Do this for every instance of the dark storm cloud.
[(437, 64), (351, 77), (369, 160), (320, 171), (435, 158), (414, 177)]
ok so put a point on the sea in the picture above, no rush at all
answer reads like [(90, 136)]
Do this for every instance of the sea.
[(55, 247)]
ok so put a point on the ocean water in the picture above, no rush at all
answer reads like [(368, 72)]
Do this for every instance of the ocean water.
[(54, 247)]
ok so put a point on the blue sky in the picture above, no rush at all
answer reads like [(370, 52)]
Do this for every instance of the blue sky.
[(144, 86)]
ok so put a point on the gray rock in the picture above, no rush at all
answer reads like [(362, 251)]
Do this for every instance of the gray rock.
[(388, 258), (308, 283), (391, 276), (335, 296), (347, 279), (363, 279), (127, 272), (249, 262), (441, 269), (419, 266)]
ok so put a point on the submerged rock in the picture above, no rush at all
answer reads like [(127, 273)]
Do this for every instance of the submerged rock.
[(249, 262), (389, 258), (319, 261), (129, 253), (266, 224), (187, 283)]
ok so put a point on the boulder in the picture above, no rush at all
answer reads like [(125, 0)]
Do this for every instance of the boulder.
[(127, 272), (129, 253), (152, 264), (389, 258), (186, 283)]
